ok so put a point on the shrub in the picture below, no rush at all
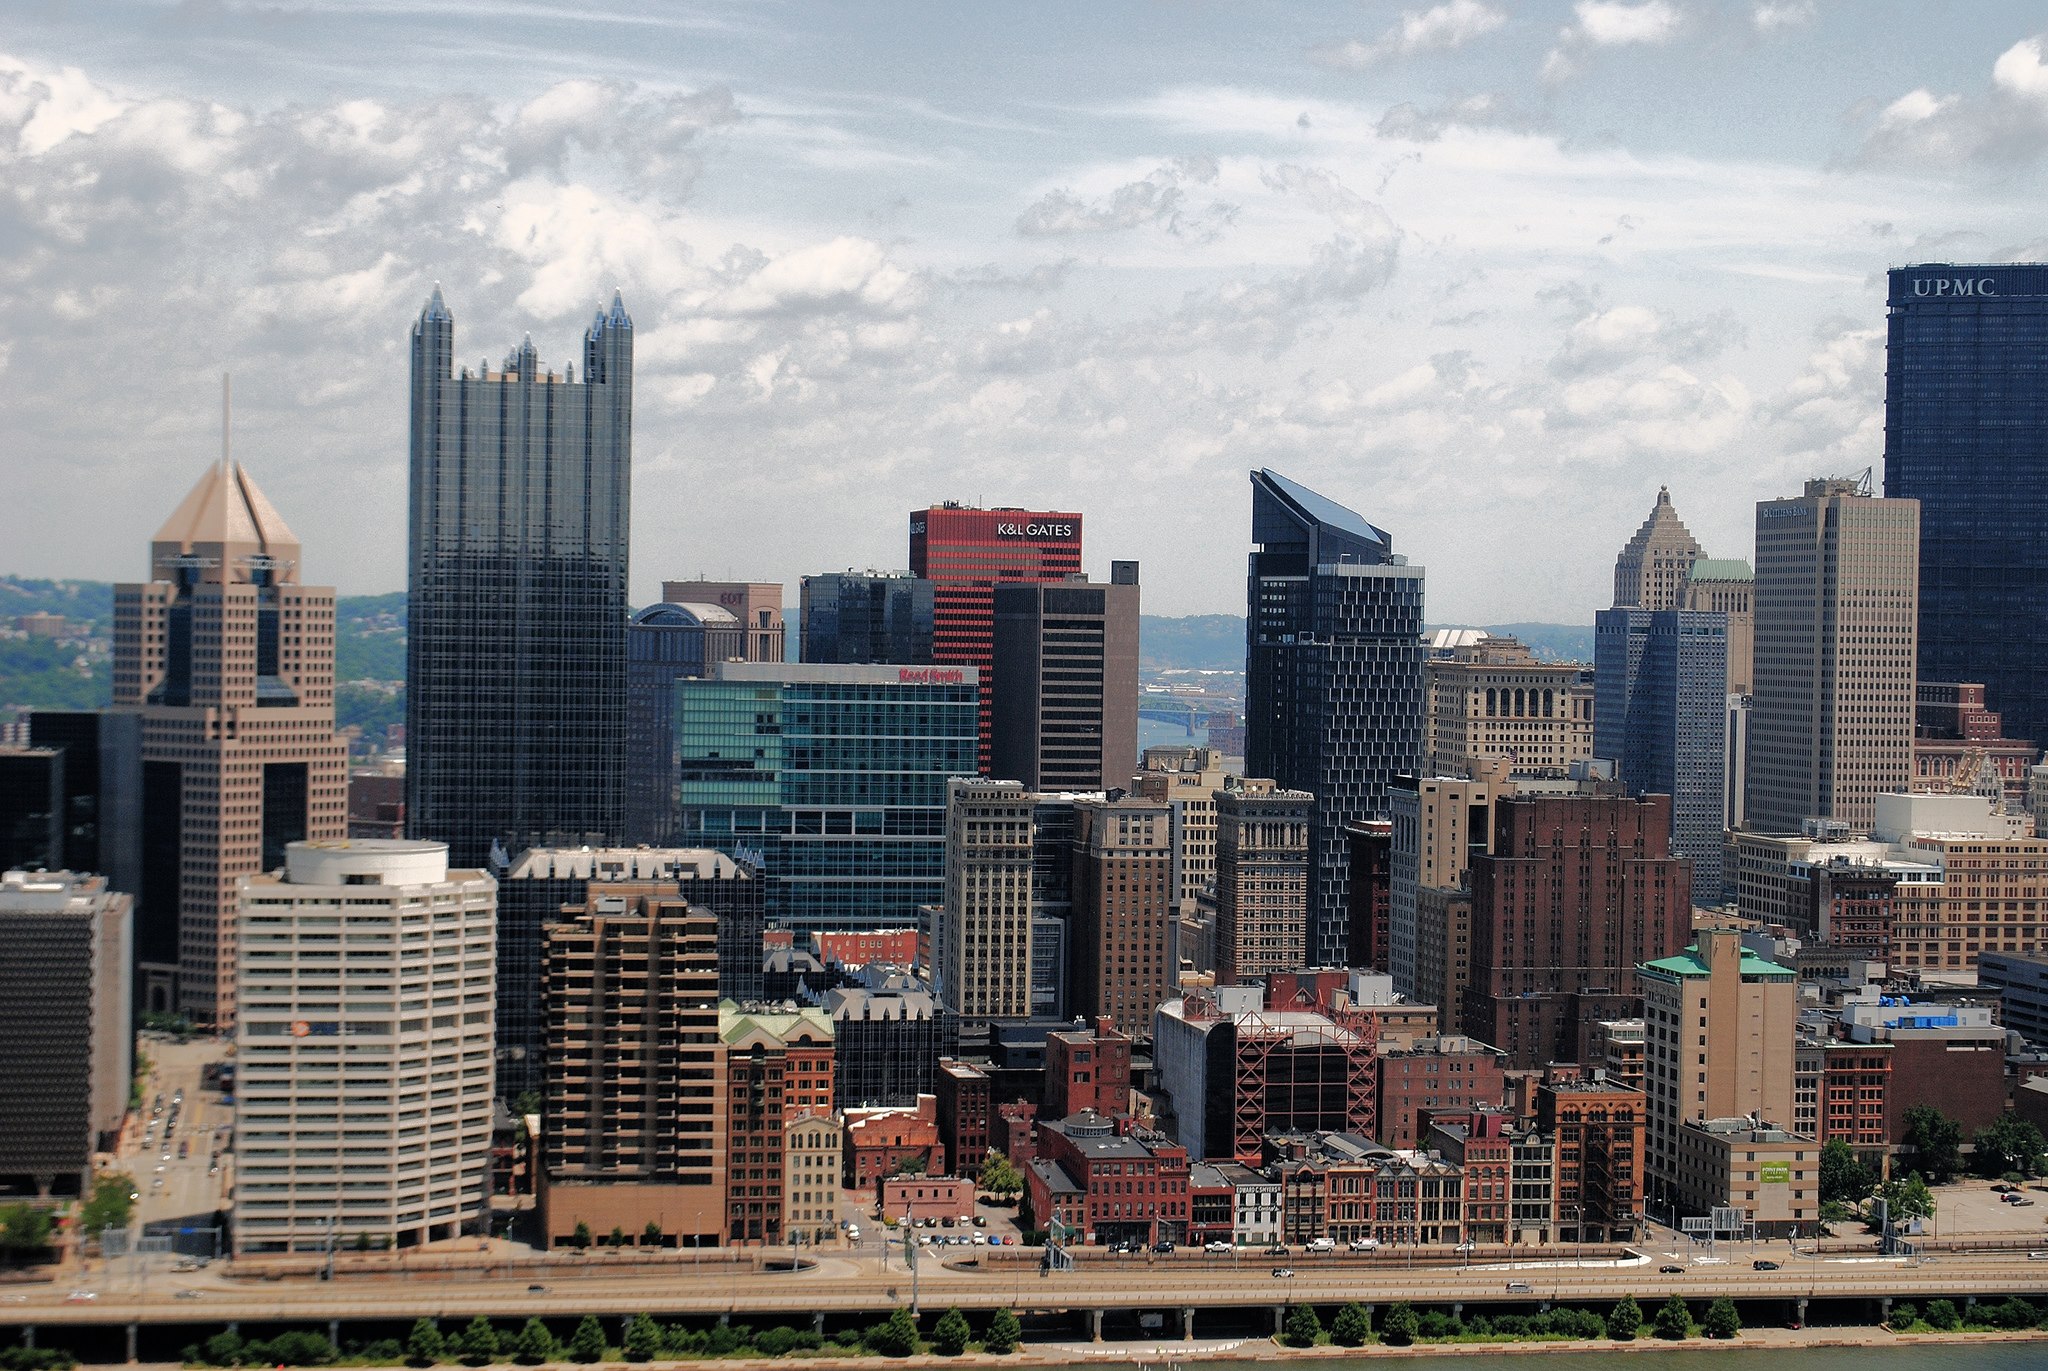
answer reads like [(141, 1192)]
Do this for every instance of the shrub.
[(587, 1343), (1437, 1324), (779, 1341), (476, 1344), (1352, 1326), (1904, 1315), (223, 1349), (2014, 1314), (1941, 1315), (1302, 1327), (1401, 1325), (1722, 1321), (1004, 1333), (643, 1338), (1673, 1322), (895, 1336), (721, 1339), (424, 1345), (383, 1352), (678, 1341), (849, 1338), (300, 1347), (535, 1344), (1626, 1321), (950, 1334)]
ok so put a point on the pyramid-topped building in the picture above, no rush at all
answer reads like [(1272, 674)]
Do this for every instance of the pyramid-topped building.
[(1654, 565)]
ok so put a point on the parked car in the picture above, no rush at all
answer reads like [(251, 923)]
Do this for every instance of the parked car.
[(1162, 1248), (1762, 1265), (1218, 1248), (1283, 1273), (1520, 1288), (1671, 1271), (1278, 1249), (1321, 1245), (1365, 1244)]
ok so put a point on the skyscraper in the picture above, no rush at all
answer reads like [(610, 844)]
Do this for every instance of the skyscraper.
[(515, 704), (1261, 881), (1118, 968), (868, 617), (981, 938), (965, 553), (1662, 719), (1831, 719), (1065, 700), (1966, 434), (666, 643), (1334, 690), (230, 663), (1651, 570)]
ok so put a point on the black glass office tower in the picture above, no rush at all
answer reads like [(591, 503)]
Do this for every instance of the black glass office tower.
[(868, 618), (1333, 666), (1966, 434), (516, 665)]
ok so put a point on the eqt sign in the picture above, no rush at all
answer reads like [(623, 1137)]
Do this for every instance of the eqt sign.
[(1954, 285)]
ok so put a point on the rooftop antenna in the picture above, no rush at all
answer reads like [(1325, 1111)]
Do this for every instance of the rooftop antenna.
[(227, 414)]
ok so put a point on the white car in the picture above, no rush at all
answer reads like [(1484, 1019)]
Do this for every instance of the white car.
[(1321, 1245), (853, 1232), (1365, 1244), (1218, 1248)]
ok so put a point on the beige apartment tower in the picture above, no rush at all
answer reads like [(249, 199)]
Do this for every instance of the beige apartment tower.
[(1837, 614), (1719, 1030), (1439, 824), (1261, 881), (635, 1129), (981, 935), (1654, 565), (230, 663)]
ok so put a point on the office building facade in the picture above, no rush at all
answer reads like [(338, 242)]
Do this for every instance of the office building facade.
[(515, 690), (65, 949), (1118, 964), (349, 1119), (1727, 586), (1831, 718), (965, 553), (868, 617), (666, 643), (1262, 854), (1652, 568), (982, 930), (1333, 676), (1965, 433), (229, 662), (834, 777), (1065, 690), (756, 605), (1439, 824), (1490, 698)]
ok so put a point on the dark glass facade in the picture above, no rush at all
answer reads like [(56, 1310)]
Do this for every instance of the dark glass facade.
[(854, 617), (833, 778), (1966, 434), (664, 644), (516, 669), (1333, 667)]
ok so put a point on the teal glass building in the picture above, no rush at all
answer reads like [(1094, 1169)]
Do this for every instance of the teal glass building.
[(831, 778)]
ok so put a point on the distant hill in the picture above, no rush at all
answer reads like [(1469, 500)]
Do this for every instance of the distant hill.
[(1550, 642), (90, 602), (1211, 642)]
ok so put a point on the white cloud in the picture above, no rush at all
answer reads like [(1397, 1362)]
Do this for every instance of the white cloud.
[(1610, 24), (1769, 16), (1441, 27), (2019, 71), (1160, 199)]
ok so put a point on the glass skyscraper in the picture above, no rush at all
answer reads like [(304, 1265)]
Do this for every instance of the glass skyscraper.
[(1333, 677), (832, 777), (1966, 434), (516, 667)]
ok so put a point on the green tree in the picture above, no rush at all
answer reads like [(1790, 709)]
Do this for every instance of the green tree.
[(1907, 1197), (1904, 1315), (1626, 1321), (108, 1206), (1302, 1327), (1937, 1142), (1942, 1316), (301, 1347), (2009, 1143), (477, 1343), (1673, 1322), (23, 1229), (643, 1338), (1004, 1333), (1401, 1325), (950, 1334), (535, 1345), (1722, 1321), (1844, 1179), (998, 1176), (587, 1342), (650, 1236), (618, 1236), (912, 1164), (424, 1345), (1352, 1326), (580, 1239), (527, 1102), (223, 1349), (895, 1336)]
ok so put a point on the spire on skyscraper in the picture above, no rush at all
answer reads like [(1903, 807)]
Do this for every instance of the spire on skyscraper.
[(1650, 570), (437, 309)]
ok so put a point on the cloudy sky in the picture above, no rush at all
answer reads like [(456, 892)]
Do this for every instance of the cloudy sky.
[(1489, 272)]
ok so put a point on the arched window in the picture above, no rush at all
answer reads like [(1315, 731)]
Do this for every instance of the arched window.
[(1489, 702)]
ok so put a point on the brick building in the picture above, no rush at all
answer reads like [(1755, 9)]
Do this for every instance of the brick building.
[(964, 1115), (1436, 1074), (1599, 1177), (1087, 1068), (1131, 1183), (880, 1140), (778, 1068)]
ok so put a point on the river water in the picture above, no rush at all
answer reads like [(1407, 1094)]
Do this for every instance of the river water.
[(1983, 1356)]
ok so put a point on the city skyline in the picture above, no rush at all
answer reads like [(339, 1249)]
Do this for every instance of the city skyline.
[(1449, 263)]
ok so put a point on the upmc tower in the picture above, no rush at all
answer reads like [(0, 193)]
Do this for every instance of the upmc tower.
[(965, 553), (1966, 434)]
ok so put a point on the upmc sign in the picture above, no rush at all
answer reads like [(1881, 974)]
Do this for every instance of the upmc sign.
[(1954, 285), (929, 676)]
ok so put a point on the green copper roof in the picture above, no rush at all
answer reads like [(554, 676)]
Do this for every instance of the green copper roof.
[(1688, 963), (1722, 569)]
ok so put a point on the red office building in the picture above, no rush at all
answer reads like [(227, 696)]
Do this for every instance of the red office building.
[(965, 553)]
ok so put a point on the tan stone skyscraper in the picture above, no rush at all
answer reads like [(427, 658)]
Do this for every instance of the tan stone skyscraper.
[(230, 662), (1655, 563), (1837, 613), (1261, 881)]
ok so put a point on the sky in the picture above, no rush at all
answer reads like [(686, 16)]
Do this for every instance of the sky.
[(1490, 273)]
